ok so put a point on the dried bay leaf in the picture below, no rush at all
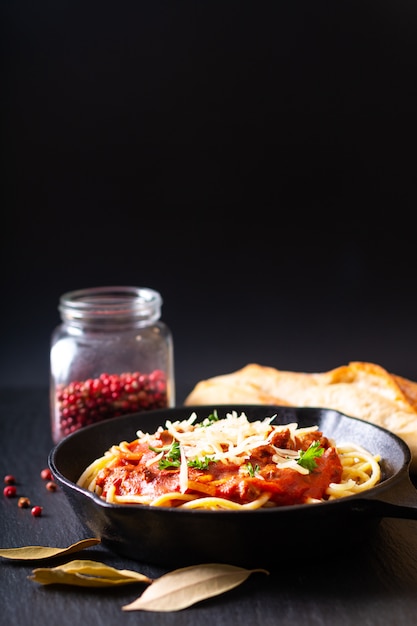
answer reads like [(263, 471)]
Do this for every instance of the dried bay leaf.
[(184, 587), (35, 553), (84, 573)]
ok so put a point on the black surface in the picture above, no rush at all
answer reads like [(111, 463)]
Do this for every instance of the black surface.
[(374, 585)]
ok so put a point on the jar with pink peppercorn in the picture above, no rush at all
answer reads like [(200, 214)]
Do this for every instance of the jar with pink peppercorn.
[(111, 355)]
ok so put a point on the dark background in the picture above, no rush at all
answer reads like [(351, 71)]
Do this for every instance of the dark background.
[(254, 162)]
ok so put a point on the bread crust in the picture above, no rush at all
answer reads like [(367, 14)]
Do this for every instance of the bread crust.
[(359, 389)]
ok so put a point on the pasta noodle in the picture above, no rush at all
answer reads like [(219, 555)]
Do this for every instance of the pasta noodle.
[(230, 464)]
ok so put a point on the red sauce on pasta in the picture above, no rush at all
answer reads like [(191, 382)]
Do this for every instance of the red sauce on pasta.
[(135, 474)]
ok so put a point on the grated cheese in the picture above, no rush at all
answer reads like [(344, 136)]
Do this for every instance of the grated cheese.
[(230, 440), (183, 471)]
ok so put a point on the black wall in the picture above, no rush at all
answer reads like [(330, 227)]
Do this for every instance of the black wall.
[(254, 162)]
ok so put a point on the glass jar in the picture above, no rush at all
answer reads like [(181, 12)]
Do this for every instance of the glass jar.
[(110, 356)]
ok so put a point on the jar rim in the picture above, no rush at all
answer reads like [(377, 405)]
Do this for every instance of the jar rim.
[(111, 301)]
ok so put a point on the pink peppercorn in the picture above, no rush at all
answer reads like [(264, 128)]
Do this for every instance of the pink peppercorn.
[(36, 511), (46, 474), (10, 491)]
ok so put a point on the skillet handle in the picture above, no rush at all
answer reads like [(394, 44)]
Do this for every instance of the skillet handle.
[(379, 508)]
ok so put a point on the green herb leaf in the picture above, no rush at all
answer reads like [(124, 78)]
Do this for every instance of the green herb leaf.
[(251, 469), (35, 553), (172, 458), (213, 417), (184, 587), (308, 457), (200, 463)]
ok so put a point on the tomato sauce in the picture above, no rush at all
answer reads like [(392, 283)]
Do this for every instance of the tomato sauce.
[(135, 475)]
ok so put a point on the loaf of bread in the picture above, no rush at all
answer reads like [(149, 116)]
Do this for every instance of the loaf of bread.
[(359, 389)]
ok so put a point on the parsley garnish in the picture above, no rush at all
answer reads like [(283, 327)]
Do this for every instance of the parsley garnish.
[(308, 457), (213, 417), (200, 463), (252, 470), (172, 457)]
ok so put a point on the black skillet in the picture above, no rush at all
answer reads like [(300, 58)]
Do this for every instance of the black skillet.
[(172, 537)]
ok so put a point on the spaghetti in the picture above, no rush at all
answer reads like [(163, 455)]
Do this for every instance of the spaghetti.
[(230, 463)]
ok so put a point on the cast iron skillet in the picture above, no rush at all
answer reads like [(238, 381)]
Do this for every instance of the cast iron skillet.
[(172, 537)]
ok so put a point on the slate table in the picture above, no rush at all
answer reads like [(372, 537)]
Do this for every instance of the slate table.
[(376, 585)]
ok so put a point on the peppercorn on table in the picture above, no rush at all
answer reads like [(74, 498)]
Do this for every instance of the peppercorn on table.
[(376, 586)]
